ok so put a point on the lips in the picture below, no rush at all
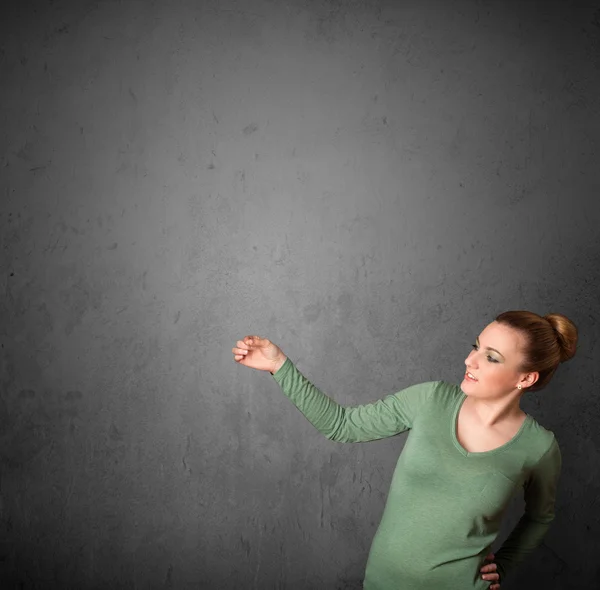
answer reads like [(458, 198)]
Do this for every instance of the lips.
[(469, 378)]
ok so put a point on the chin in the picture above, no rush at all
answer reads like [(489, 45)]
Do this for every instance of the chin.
[(467, 385)]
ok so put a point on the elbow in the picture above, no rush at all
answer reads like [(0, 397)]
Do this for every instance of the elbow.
[(339, 436), (342, 430), (336, 437), (543, 519), (335, 432)]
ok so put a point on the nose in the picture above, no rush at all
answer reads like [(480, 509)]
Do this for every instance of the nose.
[(468, 360)]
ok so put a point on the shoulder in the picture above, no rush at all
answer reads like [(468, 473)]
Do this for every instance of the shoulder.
[(436, 390), (542, 439), (543, 449), (444, 391), (447, 388), (418, 395), (436, 394)]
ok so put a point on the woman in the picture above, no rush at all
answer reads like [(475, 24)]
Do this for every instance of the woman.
[(469, 449)]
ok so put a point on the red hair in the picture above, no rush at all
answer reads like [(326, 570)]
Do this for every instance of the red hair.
[(549, 341)]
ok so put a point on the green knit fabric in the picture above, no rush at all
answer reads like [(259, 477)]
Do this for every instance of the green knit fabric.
[(445, 505)]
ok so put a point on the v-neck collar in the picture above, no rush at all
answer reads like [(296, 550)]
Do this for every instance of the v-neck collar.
[(459, 403)]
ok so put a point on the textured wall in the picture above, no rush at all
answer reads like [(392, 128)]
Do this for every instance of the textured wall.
[(365, 183)]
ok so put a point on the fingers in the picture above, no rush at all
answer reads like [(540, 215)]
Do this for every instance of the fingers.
[(248, 341), (491, 577), (241, 351), (243, 346), (253, 341), (256, 340)]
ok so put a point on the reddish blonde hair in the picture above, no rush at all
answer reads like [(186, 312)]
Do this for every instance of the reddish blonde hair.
[(550, 340)]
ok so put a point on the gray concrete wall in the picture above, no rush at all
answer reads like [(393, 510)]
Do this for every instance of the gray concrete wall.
[(367, 184)]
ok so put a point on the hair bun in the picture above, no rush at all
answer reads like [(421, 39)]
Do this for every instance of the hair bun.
[(566, 335)]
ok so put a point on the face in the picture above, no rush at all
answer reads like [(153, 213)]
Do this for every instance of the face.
[(496, 370)]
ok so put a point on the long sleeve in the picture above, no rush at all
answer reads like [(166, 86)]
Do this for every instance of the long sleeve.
[(386, 417), (540, 495)]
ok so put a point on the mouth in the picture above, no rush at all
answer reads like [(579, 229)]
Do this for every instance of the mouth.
[(468, 377)]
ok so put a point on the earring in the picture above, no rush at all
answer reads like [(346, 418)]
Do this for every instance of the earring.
[(519, 386)]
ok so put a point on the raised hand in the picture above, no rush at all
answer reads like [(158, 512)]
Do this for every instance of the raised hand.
[(258, 353)]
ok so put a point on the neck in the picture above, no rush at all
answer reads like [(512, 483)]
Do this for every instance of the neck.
[(494, 411)]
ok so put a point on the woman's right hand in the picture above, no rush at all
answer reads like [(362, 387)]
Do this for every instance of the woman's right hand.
[(258, 353)]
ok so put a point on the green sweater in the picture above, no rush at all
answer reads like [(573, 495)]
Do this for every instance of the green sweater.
[(445, 505)]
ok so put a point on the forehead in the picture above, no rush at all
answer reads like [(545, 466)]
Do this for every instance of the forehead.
[(503, 338)]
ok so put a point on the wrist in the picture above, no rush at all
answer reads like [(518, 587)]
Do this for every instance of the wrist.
[(278, 364)]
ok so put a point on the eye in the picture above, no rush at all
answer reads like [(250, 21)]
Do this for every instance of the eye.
[(489, 358)]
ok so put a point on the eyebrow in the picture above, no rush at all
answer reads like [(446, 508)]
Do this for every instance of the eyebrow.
[(490, 348)]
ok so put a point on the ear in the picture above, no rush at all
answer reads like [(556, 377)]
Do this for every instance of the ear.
[(532, 378), (529, 380)]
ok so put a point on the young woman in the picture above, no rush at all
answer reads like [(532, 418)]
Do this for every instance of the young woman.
[(469, 449)]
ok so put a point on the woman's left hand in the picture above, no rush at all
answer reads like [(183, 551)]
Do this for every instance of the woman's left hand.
[(489, 573)]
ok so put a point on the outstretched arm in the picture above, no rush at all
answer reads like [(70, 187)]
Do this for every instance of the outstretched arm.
[(386, 417)]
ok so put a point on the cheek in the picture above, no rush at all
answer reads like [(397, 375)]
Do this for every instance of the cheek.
[(495, 375)]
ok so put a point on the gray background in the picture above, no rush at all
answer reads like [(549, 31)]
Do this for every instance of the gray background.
[(367, 184)]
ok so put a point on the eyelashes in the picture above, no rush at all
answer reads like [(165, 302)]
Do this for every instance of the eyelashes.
[(490, 359)]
